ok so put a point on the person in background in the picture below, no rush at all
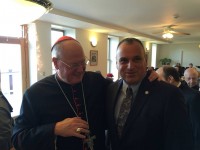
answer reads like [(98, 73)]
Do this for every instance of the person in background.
[(180, 69), (6, 122), (64, 111), (192, 97), (143, 115), (190, 65), (191, 76)]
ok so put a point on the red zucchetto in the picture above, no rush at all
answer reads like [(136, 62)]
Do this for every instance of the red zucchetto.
[(109, 75), (63, 38)]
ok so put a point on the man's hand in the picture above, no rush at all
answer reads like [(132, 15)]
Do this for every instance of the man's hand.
[(72, 127), (153, 76)]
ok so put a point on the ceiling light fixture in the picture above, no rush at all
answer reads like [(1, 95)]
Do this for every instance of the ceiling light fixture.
[(21, 12), (167, 35)]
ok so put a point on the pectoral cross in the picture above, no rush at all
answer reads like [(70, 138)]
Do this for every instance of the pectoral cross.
[(89, 141)]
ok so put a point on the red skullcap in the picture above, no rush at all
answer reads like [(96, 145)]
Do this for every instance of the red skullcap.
[(63, 38), (109, 75)]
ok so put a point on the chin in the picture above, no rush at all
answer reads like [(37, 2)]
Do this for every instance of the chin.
[(131, 81)]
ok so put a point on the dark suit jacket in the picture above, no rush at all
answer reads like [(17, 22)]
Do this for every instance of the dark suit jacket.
[(192, 98), (158, 119)]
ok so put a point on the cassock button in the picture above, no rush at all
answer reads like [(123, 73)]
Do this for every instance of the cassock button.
[(146, 92)]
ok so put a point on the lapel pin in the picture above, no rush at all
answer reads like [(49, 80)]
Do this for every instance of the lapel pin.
[(146, 92)]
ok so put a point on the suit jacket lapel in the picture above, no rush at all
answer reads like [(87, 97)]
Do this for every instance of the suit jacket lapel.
[(115, 94), (116, 88)]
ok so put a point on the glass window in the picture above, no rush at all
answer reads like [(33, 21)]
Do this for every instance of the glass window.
[(13, 65), (153, 57), (11, 74), (111, 54), (55, 34), (13, 31)]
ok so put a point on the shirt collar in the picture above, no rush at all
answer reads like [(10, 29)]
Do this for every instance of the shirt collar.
[(134, 87)]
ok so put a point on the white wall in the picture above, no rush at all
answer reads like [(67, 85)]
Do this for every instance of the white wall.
[(83, 36), (181, 53)]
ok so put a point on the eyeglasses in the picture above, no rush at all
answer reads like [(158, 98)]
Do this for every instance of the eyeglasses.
[(76, 65)]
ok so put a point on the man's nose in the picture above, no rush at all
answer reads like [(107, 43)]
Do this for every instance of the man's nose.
[(130, 64)]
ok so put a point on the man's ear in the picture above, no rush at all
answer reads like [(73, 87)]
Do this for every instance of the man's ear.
[(170, 79), (55, 62), (117, 65)]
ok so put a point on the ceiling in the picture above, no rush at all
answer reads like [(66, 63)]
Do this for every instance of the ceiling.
[(137, 18)]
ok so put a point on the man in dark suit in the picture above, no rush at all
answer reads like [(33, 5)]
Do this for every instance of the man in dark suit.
[(192, 97), (157, 118)]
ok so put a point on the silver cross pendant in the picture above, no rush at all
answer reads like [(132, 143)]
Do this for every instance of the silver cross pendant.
[(90, 141)]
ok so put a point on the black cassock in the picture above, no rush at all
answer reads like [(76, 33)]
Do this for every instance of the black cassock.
[(44, 104)]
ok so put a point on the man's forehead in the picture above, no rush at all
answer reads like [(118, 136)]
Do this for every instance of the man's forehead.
[(71, 46), (192, 73), (192, 76)]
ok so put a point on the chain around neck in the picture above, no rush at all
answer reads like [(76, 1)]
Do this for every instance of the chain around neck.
[(61, 89)]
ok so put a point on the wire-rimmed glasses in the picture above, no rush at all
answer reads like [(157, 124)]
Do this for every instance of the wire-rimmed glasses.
[(76, 65)]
